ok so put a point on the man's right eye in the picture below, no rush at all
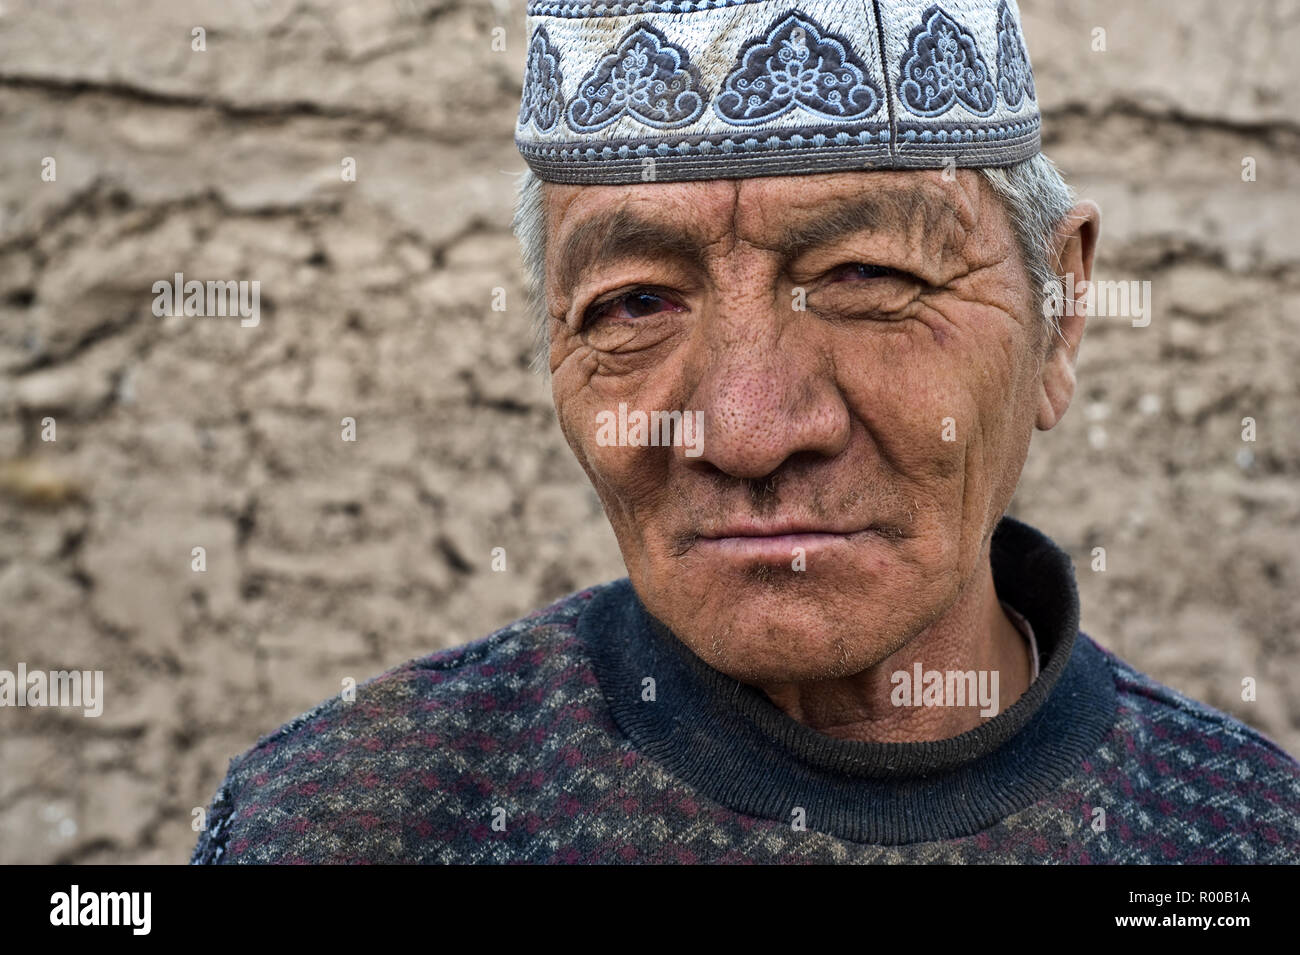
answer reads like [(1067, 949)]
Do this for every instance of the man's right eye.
[(631, 305)]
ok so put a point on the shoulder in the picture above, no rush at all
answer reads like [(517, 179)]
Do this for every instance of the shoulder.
[(358, 753), (1159, 705), (1201, 761)]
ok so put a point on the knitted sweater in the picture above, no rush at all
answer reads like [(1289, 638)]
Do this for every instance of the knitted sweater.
[(537, 744)]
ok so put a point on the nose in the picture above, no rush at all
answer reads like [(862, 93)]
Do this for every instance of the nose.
[(765, 400)]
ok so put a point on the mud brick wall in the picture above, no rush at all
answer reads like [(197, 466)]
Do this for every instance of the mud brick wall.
[(328, 560)]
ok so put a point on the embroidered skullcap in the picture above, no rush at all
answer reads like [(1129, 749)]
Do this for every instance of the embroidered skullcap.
[(727, 89)]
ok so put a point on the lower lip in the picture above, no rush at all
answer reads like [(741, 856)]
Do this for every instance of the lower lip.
[(777, 549)]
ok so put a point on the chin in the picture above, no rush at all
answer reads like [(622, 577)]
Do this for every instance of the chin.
[(775, 630)]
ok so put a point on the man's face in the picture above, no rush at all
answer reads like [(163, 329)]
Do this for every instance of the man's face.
[(864, 351)]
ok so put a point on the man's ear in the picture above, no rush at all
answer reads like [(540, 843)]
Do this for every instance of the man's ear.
[(1075, 248)]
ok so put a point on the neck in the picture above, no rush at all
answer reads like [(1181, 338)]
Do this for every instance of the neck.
[(879, 704), (728, 740)]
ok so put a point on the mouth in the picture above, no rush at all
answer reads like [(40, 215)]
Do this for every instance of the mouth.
[(779, 543), (783, 528)]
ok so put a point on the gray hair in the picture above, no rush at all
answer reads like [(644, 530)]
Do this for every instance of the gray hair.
[(1033, 193)]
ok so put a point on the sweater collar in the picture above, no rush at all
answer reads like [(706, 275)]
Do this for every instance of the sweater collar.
[(728, 740)]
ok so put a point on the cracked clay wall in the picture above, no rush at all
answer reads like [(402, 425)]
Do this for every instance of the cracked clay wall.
[(328, 560)]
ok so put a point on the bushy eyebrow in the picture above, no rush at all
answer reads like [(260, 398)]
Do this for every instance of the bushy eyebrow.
[(905, 211), (623, 234), (620, 235)]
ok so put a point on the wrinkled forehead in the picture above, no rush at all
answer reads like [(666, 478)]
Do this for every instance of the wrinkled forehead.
[(924, 209)]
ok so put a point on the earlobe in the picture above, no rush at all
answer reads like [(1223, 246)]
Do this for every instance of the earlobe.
[(1076, 247), (1056, 392)]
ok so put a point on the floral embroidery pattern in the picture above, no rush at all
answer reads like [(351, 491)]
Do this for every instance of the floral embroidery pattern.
[(798, 63), (943, 66), (542, 99), (1015, 78), (646, 77)]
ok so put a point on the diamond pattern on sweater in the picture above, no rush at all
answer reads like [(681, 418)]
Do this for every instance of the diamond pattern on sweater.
[(412, 770)]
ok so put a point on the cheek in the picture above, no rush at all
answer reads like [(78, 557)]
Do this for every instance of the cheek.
[(939, 401), (912, 392), (627, 476)]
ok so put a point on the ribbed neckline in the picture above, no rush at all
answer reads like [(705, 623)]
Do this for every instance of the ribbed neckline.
[(729, 741)]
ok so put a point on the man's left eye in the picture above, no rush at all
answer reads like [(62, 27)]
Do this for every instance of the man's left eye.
[(860, 271)]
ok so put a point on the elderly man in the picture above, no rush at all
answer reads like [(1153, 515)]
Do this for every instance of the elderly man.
[(800, 269)]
